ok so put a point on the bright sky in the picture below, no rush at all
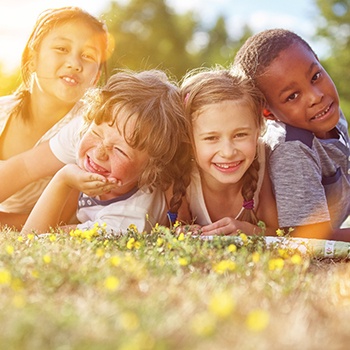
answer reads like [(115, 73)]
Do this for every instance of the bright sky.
[(17, 17)]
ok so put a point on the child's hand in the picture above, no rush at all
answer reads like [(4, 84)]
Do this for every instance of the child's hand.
[(194, 230), (89, 183), (223, 227)]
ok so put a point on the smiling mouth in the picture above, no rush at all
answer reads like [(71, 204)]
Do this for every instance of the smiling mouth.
[(321, 114), (95, 167), (227, 165)]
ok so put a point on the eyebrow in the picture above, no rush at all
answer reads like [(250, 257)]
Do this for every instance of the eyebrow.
[(290, 86), (63, 38)]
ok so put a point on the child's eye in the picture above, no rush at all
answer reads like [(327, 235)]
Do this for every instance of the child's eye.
[(241, 134), (119, 150), (90, 57), (210, 138), (292, 97), (61, 49), (316, 76)]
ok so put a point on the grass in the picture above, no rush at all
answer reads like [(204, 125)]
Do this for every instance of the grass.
[(161, 291)]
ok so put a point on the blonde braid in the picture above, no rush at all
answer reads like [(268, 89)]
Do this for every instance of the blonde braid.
[(250, 183)]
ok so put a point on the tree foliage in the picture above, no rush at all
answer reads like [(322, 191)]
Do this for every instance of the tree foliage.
[(334, 27), (150, 34)]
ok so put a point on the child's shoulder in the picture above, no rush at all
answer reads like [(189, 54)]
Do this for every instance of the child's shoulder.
[(278, 133)]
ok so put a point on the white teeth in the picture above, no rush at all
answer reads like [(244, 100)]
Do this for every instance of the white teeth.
[(222, 166), (322, 113), (69, 80), (226, 166)]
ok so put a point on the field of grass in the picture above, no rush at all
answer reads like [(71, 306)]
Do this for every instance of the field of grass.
[(161, 291)]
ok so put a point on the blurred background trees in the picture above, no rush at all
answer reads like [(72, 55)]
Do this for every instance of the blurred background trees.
[(150, 34)]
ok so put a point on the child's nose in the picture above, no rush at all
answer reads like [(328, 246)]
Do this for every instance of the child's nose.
[(101, 152), (227, 148), (315, 96), (74, 63)]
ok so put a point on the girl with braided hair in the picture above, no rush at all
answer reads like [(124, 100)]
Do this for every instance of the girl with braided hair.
[(307, 134), (229, 190)]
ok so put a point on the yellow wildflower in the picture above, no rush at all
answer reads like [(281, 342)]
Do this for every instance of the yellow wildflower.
[(283, 253), (183, 261), (257, 320), (20, 239), (276, 264), (160, 241), (223, 266), (279, 232), (9, 249), (47, 259), (5, 276), (255, 257), (232, 248), (30, 236), (115, 260), (52, 238), (100, 252), (244, 238), (111, 283), (130, 243), (181, 237), (17, 284), (133, 227), (222, 304), (296, 259)]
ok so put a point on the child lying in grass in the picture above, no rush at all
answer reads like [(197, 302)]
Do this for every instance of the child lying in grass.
[(132, 130)]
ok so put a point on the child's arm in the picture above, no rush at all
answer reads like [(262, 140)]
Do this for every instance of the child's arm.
[(321, 230), (29, 166), (51, 207), (37, 163)]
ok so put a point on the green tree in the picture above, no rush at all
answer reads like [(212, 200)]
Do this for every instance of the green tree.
[(334, 27), (150, 34)]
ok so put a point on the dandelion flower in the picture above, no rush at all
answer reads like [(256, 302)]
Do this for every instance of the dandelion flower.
[(9, 249), (222, 304), (276, 264), (181, 237), (224, 266), (232, 248), (5, 276), (111, 283), (257, 320), (296, 259), (183, 261), (47, 259)]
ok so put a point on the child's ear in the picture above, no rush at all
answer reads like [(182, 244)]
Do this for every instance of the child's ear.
[(268, 114)]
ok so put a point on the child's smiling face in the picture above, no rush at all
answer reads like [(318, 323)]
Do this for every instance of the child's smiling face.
[(299, 92), (104, 150)]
